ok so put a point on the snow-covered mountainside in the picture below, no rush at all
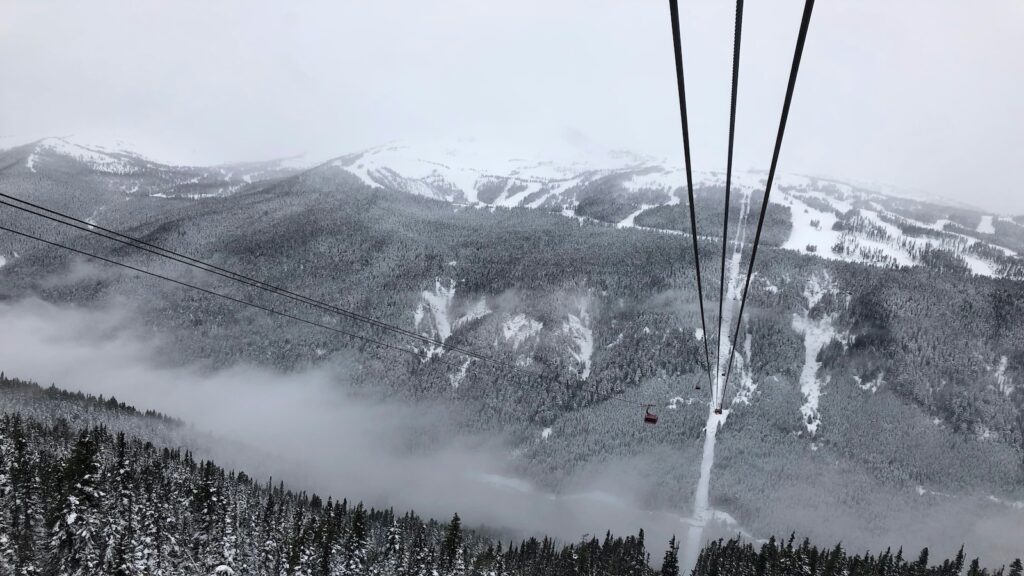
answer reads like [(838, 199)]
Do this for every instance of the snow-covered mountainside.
[(829, 219), (867, 308), (134, 174)]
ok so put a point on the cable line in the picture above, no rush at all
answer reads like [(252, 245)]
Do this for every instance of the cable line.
[(225, 296), (798, 52), (237, 277), (678, 49), (737, 34), (611, 396)]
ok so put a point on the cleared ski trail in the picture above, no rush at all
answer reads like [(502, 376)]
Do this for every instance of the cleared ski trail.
[(702, 511)]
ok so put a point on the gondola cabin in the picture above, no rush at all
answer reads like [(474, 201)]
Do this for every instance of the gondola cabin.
[(650, 417)]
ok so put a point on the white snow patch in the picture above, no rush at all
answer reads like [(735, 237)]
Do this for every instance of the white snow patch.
[(578, 328), (92, 156), (986, 226), (479, 309), (628, 221), (545, 433), (1004, 382), (817, 333), (433, 312), (3, 261), (616, 342), (458, 377), (519, 328), (922, 491), (702, 513), (456, 169), (872, 385), (675, 403)]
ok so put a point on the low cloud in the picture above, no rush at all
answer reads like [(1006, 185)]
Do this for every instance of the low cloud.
[(309, 430)]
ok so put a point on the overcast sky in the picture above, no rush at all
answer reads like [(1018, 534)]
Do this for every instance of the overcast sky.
[(924, 94)]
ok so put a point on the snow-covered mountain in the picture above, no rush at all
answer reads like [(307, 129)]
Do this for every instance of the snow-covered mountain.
[(577, 268), (132, 173), (816, 216), (829, 219)]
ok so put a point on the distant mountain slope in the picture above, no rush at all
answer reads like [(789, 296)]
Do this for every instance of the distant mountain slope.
[(826, 218)]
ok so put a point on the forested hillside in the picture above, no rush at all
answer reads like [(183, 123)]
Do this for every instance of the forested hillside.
[(76, 499)]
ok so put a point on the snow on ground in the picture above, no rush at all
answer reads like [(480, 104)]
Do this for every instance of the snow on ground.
[(627, 222), (456, 379), (478, 310), (817, 333), (92, 156), (669, 181), (616, 342), (510, 199), (871, 385), (431, 315), (675, 403), (545, 433), (519, 328), (578, 328), (812, 232), (1004, 382), (744, 380), (702, 512), (986, 226), (3, 261), (453, 168), (922, 491)]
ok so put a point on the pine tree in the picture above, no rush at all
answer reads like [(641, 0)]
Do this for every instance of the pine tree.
[(834, 564), (25, 515), (117, 533), (1016, 568), (452, 543), (975, 569), (670, 563), (394, 551), (459, 563), (421, 555), (355, 544), (920, 567), (958, 563), (8, 556), (76, 530)]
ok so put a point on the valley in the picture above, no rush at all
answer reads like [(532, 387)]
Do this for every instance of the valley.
[(845, 395)]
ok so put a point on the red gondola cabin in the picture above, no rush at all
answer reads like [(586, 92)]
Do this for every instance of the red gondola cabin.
[(650, 417)]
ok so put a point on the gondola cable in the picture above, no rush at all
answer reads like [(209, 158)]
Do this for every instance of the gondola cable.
[(241, 278), (224, 296), (797, 54), (610, 396), (737, 35), (681, 86)]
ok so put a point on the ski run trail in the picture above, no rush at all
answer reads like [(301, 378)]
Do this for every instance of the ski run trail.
[(702, 512)]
